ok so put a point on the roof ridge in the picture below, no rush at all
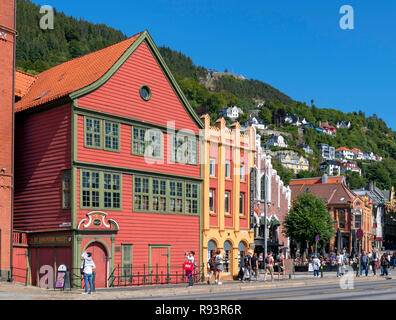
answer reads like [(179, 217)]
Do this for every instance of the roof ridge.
[(93, 52)]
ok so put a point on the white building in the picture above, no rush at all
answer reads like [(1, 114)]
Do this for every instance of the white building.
[(349, 166), (369, 156), (234, 113), (276, 141), (344, 154), (327, 152), (332, 168)]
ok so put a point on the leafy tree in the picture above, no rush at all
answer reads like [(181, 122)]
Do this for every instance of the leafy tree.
[(309, 217), (265, 114), (355, 181)]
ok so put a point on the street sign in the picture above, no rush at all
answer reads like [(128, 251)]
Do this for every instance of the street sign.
[(317, 238), (359, 234)]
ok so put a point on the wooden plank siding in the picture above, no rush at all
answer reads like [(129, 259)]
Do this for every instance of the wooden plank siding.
[(42, 151), (180, 232), (120, 95)]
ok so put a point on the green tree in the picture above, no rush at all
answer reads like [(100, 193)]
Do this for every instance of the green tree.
[(309, 217), (355, 180), (265, 114)]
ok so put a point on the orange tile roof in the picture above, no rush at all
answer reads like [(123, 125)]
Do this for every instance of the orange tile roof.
[(332, 193), (343, 149), (318, 180), (73, 75), (23, 82)]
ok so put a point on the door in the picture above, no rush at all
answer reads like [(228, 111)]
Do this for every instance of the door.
[(159, 266), (100, 258)]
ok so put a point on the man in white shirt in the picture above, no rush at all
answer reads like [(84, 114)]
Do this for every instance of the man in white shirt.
[(87, 267), (340, 264)]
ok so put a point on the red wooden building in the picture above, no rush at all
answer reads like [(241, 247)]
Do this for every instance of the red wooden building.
[(104, 164)]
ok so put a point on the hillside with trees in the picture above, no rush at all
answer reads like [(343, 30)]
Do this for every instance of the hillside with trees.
[(38, 50)]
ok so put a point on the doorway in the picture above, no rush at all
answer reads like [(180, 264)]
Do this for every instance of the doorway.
[(101, 260)]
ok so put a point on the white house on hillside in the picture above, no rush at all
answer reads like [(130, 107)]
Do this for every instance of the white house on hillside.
[(233, 112), (276, 141)]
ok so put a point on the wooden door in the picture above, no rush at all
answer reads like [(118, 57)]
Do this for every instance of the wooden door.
[(159, 269), (100, 258)]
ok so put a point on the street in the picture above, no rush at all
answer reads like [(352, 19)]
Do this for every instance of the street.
[(377, 290)]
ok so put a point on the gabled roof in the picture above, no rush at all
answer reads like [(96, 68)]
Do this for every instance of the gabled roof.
[(23, 82), (331, 193), (80, 76), (73, 75)]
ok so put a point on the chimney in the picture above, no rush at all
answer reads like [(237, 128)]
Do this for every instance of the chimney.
[(325, 179)]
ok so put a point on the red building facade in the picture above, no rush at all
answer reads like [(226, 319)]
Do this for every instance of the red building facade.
[(109, 163), (7, 67), (271, 188)]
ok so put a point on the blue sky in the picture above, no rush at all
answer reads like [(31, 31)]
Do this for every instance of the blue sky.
[(296, 46)]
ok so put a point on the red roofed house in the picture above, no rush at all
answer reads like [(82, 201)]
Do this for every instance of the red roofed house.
[(344, 154), (103, 166), (348, 166), (349, 211), (7, 67), (359, 155), (328, 128)]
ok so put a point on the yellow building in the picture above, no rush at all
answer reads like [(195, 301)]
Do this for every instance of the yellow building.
[(228, 157), (295, 163)]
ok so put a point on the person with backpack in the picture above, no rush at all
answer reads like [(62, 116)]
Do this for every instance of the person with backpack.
[(247, 265), (212, 267), (385, 264), (87, 269), (219, 267), (280, 263), (269, 266), (374, 261)]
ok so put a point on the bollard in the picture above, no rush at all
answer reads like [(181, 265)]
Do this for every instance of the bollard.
[(321, 271)]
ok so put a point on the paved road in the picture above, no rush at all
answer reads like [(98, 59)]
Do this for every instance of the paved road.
[(378, 290)]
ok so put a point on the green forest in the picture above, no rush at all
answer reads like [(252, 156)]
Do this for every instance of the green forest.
[(39, 50)]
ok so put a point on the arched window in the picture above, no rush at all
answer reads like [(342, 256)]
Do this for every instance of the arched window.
[(211, 248), (241, 253), (227, 256)]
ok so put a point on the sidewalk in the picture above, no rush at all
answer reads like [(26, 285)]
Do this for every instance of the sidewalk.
[(18, 292)]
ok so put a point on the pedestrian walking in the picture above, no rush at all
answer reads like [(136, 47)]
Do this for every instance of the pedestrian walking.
[(212, 267), (269, 266), (219, 267), (394, 259), (385, 264), (255, 267), (374, 261), (280, 263), (316, 266), (364, 260), (340, 264), (247, 266), (190, 273), (261, 261), (87, 269)]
